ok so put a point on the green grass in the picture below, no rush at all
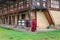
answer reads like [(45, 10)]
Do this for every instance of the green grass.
[(6, 34)]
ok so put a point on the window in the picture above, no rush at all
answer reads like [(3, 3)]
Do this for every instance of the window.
[(5, 10), (44, 0), (21, 4), (25, 2), (16, 6), (54, 4), (36, 4), (44, 3), (11, 7)]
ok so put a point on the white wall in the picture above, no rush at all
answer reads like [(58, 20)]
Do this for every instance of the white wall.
[(55, 16), (42, 22)]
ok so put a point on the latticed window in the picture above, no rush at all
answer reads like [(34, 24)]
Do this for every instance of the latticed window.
[(11, 7), (54, 4), (35, 4), (44, 3), (5, 10), (15, 6), (28, 3), (20, 4)]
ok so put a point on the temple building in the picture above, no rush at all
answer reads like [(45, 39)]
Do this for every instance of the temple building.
[(16, 12)]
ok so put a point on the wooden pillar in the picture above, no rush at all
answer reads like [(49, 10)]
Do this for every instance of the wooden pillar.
[(11, 20), (5, 20), (0, 21), (30, 18), (8, 20), (19, 16), (15, 19)]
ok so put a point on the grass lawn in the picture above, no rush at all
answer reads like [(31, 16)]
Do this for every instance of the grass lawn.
[(6, 34)]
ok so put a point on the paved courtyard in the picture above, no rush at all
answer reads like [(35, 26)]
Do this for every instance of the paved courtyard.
[(24, 30)]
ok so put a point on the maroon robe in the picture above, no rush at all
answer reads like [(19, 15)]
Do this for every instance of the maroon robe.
[(34, 25), (27, 23)]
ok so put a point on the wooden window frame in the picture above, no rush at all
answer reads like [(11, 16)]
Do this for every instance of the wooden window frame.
[(56, 9)]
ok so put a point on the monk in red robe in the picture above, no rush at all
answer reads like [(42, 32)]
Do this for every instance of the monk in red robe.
[(34, 25)]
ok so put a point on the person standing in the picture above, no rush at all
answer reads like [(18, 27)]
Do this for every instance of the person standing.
[(34, 25), (27, 25)]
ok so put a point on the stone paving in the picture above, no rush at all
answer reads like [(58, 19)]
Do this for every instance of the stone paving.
[(24, 30)]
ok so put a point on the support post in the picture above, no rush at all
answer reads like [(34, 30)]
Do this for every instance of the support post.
[(30, 19), (15, 20)]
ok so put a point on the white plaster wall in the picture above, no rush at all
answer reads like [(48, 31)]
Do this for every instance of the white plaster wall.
[(42, 22), (55, 16)]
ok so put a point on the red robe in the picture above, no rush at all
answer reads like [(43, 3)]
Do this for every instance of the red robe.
[(34, 25)]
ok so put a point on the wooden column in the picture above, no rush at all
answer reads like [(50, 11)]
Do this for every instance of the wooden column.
[(5, 20), (8, 20), (19, 16), (15, 19), (11, 20), (30, 18)]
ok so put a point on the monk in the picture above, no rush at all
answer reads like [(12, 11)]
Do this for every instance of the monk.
[(27, 25), (34, 25)]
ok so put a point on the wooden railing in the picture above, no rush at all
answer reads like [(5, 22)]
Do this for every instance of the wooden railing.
[(54, 5), (17, 7)]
